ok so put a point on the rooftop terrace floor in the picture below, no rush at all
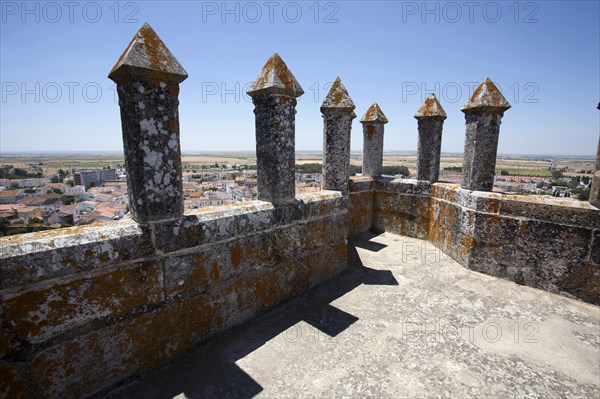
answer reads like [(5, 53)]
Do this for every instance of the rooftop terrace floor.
[(407, 321)]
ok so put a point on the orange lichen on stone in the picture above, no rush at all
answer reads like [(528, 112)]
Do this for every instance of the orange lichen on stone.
[(236, 255), (199, 276), (374, 115), (144, 342), (147, 56), (487, 97), (360, 212), (275, 78), (266, 289), (338, 98), (43, 313), (431, 108), (370, 131)]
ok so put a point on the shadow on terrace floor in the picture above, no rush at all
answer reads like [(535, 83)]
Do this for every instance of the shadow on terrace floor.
[(211, 370), (404, 324)]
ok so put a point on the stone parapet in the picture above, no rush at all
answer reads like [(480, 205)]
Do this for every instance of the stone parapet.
[(154, 291), (360, 204), (544, 242), (401, 206)]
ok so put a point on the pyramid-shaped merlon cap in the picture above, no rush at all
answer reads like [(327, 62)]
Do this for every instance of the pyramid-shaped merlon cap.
[(147, 57), (374, 115), (488, 98), (275, 78), (431, 109), (338, 98)]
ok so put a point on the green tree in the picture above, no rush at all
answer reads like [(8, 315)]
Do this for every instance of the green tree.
[(504, 173), (557, 174), (14, 186), (34, 220), (68, 199), (396, 170), (584, 195), (20, 173), (354, 169), (310, 168)]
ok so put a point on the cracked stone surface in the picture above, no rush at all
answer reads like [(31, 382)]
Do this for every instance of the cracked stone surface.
[(407, 321)]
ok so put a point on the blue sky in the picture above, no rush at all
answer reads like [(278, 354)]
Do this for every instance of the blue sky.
[(544, 55)]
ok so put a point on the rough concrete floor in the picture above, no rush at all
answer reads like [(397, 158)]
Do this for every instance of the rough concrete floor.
[(406, 322)]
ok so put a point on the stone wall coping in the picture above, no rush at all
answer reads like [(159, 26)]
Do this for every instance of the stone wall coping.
[(29, 243), (532, 199), (402, 185), (360, 184)]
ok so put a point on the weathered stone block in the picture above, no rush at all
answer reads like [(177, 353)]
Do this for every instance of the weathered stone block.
[(476, 200), (32, 257), (213, 224), (360, 183), (402, 186), (402, 214), (436, 212), (552, 210), (327, 263), (325, 231), (461, 247), (360, 212), (501, 261), (552, 250), (215, 262), (553, 240), (99, 359), (445, 191), (286, 242), (581, 281), (479, 200), (595, 247), (50, 310), (322, 203), (493, 229)]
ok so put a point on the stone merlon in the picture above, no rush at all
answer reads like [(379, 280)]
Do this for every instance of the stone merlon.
[(338, 99), (147, 55), (486, 98), (431, 109), (275, 78), (374, 115)]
